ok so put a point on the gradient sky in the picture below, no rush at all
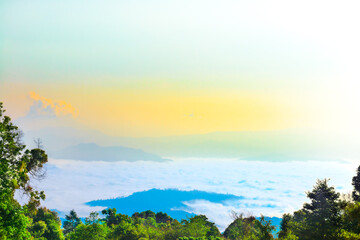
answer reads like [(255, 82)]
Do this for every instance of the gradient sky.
[(160, 68), (82, 71)]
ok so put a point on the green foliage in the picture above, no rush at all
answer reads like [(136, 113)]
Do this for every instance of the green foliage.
[(173, 231), (356, 184), (199, 226), (46, 224), (144, 226), (195, 227), (319, 219), (350, 229), (112, 218), (71, 222), (38, 229), (201, 238), (124, 230), (93, 231), (351, 218), (16, 165), (13, 222), (289, 236), (249, 228), (163, 218), (145, 214), (345, 235), (284, 225)]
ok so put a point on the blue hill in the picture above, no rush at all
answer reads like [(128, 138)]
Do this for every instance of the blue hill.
[(158, 200)]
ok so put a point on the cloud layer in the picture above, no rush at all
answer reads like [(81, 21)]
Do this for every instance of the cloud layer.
[(270, 188)]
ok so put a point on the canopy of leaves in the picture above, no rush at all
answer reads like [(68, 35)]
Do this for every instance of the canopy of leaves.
[(249, 228), (17, 164)]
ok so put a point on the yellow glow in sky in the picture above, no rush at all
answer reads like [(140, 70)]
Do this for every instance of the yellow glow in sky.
[(184, 67)]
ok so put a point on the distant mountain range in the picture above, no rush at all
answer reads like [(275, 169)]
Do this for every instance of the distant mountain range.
[(281, 145), (94, 152)]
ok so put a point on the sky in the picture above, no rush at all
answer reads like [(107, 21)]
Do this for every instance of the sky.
[(273, 83), (163, 68)]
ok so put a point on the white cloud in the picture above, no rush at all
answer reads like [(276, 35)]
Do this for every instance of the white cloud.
[(43, 106), (270, 188)]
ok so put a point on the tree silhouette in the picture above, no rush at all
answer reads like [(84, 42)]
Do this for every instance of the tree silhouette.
[(356, 184)]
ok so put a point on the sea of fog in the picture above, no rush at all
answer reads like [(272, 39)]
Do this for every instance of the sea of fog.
[(268, 188)]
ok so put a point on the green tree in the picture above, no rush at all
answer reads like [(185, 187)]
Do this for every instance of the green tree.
[(163, 217), (173, 230), (113, 218), (284, 225), (345, 235), (202, 220), (17, 164), (71, 222), (289, 236), (198, 227), (356, 184), (351, 221), (37, 230), (124, 230), (249, 228), (144, 214), (50, 222), (321, 218), (93, 229)]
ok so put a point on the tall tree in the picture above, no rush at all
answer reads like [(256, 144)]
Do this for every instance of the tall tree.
[(321, 218), (17, 164), (71, 222), (356, 184), (284, 225)]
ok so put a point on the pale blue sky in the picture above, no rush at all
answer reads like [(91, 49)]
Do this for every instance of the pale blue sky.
[(279, 54)]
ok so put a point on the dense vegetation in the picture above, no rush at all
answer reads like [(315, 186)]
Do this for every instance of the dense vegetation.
[(327, 216)]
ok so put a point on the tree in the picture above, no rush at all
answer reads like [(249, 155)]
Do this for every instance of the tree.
[(17, 164), (351, 221), (321, 218), (288, 236), (93, 229), (38, 229), (145, 214), (112, 218), (71, 222), (356, 184), (195, 227), (163, 218), (284, 225), (202, 220), (246, 228), (46, 224)]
